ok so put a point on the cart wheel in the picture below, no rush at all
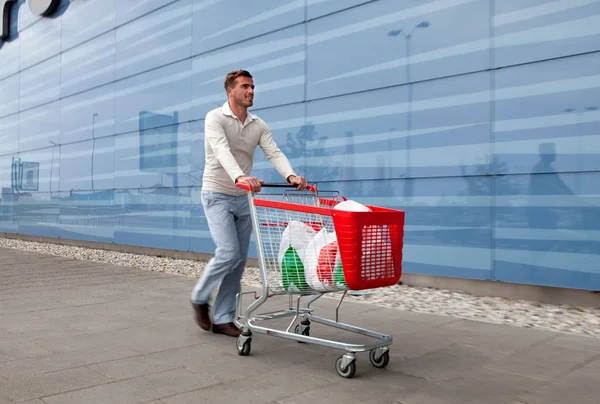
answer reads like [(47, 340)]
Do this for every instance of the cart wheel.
[(243, 347), (302, 330), (383, 360), (347, 373)]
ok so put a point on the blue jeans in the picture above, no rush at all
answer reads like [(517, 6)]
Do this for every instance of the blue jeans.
[(230, 225)]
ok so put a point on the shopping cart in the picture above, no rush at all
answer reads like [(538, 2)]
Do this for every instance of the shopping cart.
[(307, 248)]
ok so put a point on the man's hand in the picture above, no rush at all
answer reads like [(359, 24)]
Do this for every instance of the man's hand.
[(298, 180), (253, 182)]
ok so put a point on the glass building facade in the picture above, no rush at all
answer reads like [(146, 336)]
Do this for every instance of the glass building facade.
[(479, 118)]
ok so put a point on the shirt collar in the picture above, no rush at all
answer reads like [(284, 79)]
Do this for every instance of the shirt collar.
[(227, 111)]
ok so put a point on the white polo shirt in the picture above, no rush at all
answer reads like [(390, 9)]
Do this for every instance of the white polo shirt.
[(229, 149)]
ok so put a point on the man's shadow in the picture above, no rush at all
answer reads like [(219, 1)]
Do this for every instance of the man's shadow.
[(545, 187)]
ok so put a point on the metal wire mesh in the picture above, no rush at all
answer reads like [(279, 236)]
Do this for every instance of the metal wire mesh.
[(300, 254)]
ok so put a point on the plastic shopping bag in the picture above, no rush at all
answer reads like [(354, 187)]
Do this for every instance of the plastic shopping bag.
[(352, 206), (323, 263), (292, 253)]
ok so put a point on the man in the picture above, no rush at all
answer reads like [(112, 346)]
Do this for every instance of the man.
[(231, 137)]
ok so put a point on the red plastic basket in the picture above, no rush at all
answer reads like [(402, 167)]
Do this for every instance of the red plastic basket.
[(370, 243), (370, 246)]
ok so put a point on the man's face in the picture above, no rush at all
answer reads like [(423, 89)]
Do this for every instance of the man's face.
[(242, 92)]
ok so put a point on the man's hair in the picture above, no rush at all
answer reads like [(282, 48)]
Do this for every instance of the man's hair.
[(233, 75)]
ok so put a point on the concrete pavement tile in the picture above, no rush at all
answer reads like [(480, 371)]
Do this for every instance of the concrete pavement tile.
[(28, 305), (475, 387), (442, 364), (493, 340), (198, 358), (64, 360), (155, 338), (137, 390), (20, 349), (84, 299), (382, 388), (50, 383), (34, 325), (8, 320), (579, 386), (260, 388), (576, 341), (543, 361), (78, 341)]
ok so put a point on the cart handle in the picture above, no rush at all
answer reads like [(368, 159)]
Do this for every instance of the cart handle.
[(247, 187)]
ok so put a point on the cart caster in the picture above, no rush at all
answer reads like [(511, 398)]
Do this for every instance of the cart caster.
[(345, 366), (380, 357), (244, 343), (302, 329)]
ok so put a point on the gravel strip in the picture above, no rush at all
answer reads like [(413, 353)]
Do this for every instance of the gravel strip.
[(570, 319)]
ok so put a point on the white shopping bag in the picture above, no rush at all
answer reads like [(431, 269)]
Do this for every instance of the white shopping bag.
[(292, 255), (323, 264)]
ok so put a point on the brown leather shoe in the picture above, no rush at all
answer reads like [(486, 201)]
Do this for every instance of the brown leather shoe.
[(227, 329), (202, 317)]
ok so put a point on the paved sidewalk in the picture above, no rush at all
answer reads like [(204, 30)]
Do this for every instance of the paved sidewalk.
[(84, 332)]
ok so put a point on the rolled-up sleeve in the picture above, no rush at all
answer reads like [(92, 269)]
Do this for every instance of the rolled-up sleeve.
[(273, 153), (215, 136)]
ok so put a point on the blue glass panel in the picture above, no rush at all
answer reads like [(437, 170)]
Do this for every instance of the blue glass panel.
[(40, 41), (156, 218), (196, 154), (530, 30), (37, 215), (155, 40), (104, 163), (88, 65), (360, 136), (76, 166), (393, 42), (38, 170), (548, 230), (39, 127), (450, 130), (548, 116), (40, 84), (6, 170), (9, 54), (149, 158), (85, 20), (9, 135), (131, 9), (166, 91), (276, 62), (221, 23), (54, 179), (8, 222), (317, 8), (290, 134), (88, 115), (9, 88), (93, 216), (184, 144)]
